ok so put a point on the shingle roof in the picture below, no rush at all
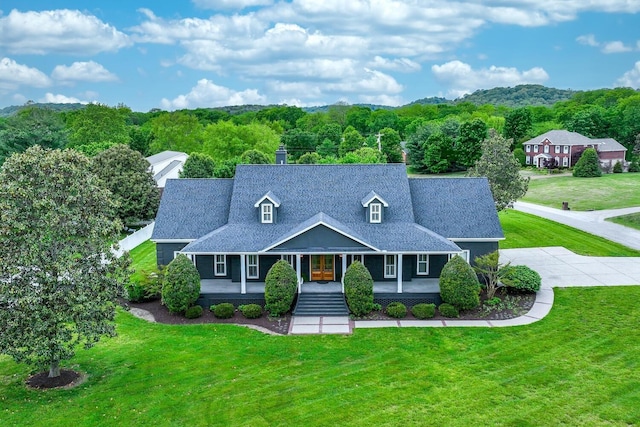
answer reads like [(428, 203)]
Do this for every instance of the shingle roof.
[(460, 208), (561, 137), (609, 144), (165, 155)]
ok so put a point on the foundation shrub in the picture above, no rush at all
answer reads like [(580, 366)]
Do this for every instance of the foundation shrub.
[(181, 286), (397, 310), (193, 312), (280, 288), (459, 285), (224, 310), (522, 278), (358, 289), (448, 310), (423, 311), (250, 311)]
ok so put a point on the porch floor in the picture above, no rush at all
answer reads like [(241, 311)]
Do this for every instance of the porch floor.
[(226, 286)]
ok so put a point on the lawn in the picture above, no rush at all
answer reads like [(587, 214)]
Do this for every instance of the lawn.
[(523, 230), (631, 220), (144, 259), (578, 366), (610, 191)]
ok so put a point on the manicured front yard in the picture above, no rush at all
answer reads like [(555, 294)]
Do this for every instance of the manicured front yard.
[(631, 220), (143, 259), (523, 230), (578, 366), (610, 191)]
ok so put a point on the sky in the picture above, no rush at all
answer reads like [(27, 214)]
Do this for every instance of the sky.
[(210, 53)]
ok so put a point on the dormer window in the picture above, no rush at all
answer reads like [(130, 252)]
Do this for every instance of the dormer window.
[(375, 216), (267, 213)]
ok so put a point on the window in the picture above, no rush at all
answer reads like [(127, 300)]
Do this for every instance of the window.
[(535, 148), (356, 258), (374, 213), (546, 148), (528, 160), (464, 254), (290, 259), (565, 149), (252, 267), (556, 149), (557, 161), (267, 213), (389, 266), (220, 267), (565, 161), (423, 264), (528, 149)]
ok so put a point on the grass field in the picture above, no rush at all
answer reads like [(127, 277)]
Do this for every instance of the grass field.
[(631, 220), (610, 191), (523, 230), (578, 366), (144, 259)]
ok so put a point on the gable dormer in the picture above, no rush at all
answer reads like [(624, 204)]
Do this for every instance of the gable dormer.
[(374, 205), (267, 208)]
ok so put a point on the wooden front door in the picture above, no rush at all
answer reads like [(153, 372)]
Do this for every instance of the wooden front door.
[(321, 267)]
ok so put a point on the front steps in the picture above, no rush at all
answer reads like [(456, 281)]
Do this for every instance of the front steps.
[(321, 304)]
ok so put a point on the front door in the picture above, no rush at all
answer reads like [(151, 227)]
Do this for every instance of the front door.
[(321, 267)]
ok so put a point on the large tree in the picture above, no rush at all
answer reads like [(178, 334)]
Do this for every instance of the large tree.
[(59, 279), (98, 124), (198, 165), (502, 170), (390, 141), (517, 125), (126, 174), (469, 142)]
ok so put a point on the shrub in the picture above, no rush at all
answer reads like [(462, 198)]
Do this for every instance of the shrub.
[(134, 292), (193, 312), (617, 168), (423, 311), (459, 285), (358, 289), (634, 166), (397, 310), (492, 302), (522, 278), (181, 286), (280, 288), (251, 311), (519, 154), (224, 310), (588, 165), (447, 310)]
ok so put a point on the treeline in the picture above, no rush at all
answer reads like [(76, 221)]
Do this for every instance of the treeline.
[(439, 137)]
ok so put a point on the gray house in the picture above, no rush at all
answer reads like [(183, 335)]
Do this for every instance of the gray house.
[(320, 219)]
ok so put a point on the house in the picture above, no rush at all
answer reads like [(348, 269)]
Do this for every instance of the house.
[(166, 165), (565, 148), (320, 219)]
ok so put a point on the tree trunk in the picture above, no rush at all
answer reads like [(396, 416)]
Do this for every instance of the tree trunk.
[(54, 369)]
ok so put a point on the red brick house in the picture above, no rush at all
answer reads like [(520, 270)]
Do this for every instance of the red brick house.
[(566, 148)]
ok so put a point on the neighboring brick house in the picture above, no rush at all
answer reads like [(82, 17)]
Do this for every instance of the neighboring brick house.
[(567, 147)]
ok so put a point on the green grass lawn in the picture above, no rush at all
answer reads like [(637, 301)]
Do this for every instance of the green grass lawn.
[(610, 191), (578, 366), (143, 259), (523, 230), (631, 220)]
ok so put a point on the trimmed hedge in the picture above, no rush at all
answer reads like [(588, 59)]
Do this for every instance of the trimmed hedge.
[(193, 312), (448, 310), (358, 289), (522, 278), (224, 310), (397, 310), (181, 286), (280, 288), (251, 311), (459, 285), (423, 311)]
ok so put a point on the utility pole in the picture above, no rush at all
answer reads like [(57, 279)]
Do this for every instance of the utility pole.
[(379, 135)]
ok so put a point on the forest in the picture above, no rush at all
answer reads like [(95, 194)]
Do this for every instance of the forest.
[(441, 136)]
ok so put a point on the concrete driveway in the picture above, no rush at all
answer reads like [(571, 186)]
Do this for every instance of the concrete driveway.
[(559, 267)]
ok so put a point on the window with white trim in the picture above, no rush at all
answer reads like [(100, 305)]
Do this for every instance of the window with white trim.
[(535, 148), (465, 254), (423, 265), (375, 215), (389, 266), (556, 149), (557, 161), (565, 149), (528, 160), (289, 258), (252, 267), (565, 161), (220, 265), (546, 148), (357, 258), (267, 213), (528, 148)]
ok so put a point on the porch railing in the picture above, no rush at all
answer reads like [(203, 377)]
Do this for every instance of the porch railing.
[(300, 282)]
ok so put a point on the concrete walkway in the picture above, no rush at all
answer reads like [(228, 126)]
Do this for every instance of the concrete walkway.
[(590, 221)]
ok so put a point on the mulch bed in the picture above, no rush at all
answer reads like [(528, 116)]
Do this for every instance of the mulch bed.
[(41, 380), (512, 305)]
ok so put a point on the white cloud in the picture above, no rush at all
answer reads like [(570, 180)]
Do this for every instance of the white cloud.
[(462, 79), (615, 47), (83, 71), (588, 40), (230, 4), (13, 75), (60, 99), (208, 94), (58, 31), (631, 78), (398, 64)]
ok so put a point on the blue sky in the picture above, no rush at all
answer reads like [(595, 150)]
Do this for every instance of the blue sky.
[(208, 53)]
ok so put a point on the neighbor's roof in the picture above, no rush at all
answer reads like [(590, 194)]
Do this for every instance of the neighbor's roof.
[(165, 155)]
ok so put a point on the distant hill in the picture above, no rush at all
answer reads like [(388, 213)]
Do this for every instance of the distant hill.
[(433, 100), (519, 96), (10, 111)]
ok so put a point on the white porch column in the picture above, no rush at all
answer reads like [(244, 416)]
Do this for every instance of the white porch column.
[(344, 270), (399, 272), (243, 274), (299, 270)]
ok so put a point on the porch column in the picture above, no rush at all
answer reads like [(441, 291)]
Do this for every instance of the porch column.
[(344, 270), (399, 272), (243, 274), (299, 267)]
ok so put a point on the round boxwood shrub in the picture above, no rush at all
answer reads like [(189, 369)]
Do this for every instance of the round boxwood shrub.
[(181, 286), (522, 278), (358, 289), (397, 310), (193, 312), (280, 288), (224, 310), (251, 311), (459, 285), (423, 311), (448, 310)]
